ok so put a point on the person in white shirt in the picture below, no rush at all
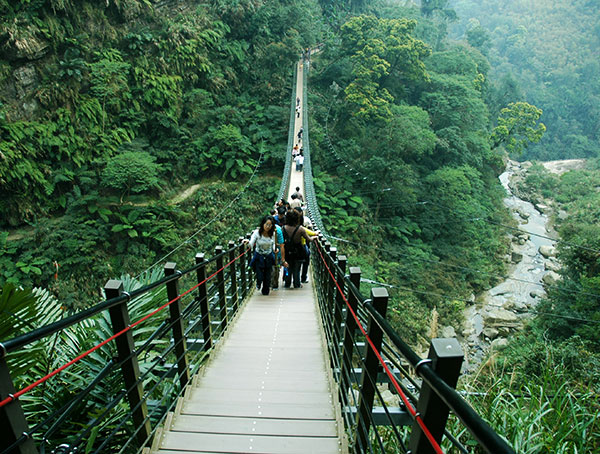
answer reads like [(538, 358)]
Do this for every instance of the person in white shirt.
[(299, 162)]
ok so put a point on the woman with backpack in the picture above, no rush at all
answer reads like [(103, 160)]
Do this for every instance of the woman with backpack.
[(264, 242), (295, 253)]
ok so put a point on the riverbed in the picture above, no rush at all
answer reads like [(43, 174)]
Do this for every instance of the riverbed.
[(499, 312)]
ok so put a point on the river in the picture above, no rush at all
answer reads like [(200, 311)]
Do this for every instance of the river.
[(498, 312)]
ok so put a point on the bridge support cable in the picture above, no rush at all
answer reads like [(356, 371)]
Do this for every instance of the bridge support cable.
[(285, 179), (439, 372), (309, 188), (12, 415)]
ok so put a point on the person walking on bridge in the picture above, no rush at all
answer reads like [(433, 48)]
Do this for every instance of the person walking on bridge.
[(264, 242), (299, 162), (295, 251), (298, 194)]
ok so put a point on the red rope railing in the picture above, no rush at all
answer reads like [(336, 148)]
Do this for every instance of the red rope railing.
[(45, 378), (407, 403)]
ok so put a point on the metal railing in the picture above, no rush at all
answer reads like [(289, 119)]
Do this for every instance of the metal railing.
[(285, 179), (148, 367), (309, 187), (391, 399)]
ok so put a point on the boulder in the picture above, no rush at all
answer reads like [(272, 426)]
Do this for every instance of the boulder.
[(552, 265), (542, 208), (547, 251), (522, 214), (468, 332), (499, 344), (490, 333), (501, 319), (516, 257), (390, 399), (447, 332), (519, 306), (551, 278)]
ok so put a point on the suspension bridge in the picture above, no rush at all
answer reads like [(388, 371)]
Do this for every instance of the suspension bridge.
[(220, 368)]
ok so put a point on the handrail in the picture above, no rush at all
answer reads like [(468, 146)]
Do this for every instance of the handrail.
[(334, 284), (309, 189), (44, 428), (480, 429), (285, 180), (47, 330)]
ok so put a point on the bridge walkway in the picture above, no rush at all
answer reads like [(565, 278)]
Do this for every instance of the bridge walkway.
[(267, 388)]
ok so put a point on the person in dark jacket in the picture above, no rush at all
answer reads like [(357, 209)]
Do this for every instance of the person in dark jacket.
[(264, 243)]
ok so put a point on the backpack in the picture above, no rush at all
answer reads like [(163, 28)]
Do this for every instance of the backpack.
[(294, 252)]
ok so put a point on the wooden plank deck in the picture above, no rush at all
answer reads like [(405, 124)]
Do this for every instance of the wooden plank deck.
[(267, 390)]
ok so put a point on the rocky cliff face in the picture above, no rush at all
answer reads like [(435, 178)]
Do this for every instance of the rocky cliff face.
[(23, 50)]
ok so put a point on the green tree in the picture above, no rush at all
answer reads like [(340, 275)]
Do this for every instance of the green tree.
[(384, 56), (131, 171), (518, 126)]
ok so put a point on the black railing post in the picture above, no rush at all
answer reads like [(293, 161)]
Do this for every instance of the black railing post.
[(221, 287), (243, 277), (119, 317), (177, 326), (320, 266), (330, 295), (349, 332), (204, 306), (248, 267), (12, 417), (368, 381), (446, 357), (339, 303), (233, 276), (331, 281)]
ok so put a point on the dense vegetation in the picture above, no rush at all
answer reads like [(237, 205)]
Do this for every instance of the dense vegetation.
[(110, 110), (415, 126), (544, 53)]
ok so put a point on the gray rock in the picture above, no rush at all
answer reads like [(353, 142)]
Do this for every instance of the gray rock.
[(516, 257), (502, 319), (25, 80), (390, 399), (542, 208), (23, 44), (552, 265), (468, 332), (522, 214), (547, 251), (447, 332), (551, 278), (499, 344), (490, 333), (519, 306)]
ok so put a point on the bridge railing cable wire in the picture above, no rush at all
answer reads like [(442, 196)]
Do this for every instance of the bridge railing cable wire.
[(169, 360), (309, 187), (394, 358), (285, 179)]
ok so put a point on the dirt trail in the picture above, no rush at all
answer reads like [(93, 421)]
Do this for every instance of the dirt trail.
[(22, 232)]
